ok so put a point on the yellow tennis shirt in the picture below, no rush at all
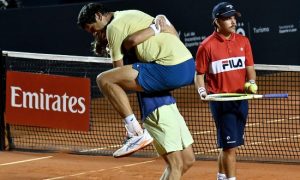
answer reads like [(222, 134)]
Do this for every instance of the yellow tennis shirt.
[(164, 48)]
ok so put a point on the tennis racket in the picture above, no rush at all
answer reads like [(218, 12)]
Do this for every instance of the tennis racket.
[(240, 96)]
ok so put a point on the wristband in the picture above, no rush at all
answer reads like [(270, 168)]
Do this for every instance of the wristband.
[(153, 27), (201, 90), (251, 81)]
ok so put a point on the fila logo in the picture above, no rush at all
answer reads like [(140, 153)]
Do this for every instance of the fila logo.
[(229, 64), (232, 63)]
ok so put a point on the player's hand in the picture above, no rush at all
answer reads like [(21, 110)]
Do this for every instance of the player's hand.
[(251, 87), (163, 23), (202, 92)]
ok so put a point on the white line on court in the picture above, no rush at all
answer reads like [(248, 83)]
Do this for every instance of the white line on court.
[(202, 132), (28, 160), (276, 139), (296, 117), (249, 125), (204, 152), (254, 143), (100, 170), (272, 121), (208, 132), (101, 148)]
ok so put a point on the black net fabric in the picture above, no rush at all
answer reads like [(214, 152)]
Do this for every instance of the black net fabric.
[(272, 131)]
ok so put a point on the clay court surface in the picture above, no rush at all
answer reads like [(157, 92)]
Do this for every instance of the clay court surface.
[(272, 133), (24, 165)]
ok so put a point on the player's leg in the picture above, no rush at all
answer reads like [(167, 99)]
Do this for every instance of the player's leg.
[(136, 137), (154, 77), (229, 162), (148, 77), (174, 163), (224, 134), (178, 163), (163, 125), (166, 173), (230, 119), (148, 103), (238, 123), (238, 118), (188, 158), (187, 154), (133, 142), (221, 172), (113, 84), (228, 138), (181, 160)]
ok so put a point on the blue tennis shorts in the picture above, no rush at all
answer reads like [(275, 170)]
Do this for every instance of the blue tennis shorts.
[(155, 77), (230, 119), (149, 102)]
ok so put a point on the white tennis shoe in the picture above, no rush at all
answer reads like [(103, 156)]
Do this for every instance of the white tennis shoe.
[(133, 144)]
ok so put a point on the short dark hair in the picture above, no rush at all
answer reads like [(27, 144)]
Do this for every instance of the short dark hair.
[(87, 13)]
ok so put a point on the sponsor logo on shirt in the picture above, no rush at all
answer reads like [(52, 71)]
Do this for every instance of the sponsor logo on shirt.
[(224, 65)]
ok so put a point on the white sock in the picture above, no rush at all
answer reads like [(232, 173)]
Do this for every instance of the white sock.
[(231, 178), (132, 125), (221, 176)]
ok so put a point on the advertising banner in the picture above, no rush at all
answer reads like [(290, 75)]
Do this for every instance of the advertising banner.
[(47, 101)]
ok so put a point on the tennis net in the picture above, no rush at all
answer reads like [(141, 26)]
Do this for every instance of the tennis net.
[(272, 131)]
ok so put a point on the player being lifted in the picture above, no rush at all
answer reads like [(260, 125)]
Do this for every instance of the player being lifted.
[(164, 61), (160, 115)]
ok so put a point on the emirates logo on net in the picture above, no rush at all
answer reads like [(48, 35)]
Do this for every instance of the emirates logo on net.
[(46, 101)]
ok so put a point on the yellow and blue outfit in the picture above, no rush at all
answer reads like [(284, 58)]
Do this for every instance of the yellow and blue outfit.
[(165, 63)]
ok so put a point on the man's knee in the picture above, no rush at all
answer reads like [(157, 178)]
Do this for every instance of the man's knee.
[(102, 80), (176, 163), (230, 150), (188, 161), (188, 158)]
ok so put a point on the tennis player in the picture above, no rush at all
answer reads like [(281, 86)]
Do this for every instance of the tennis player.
[(225, 59), (164, 59), (163, 121), (172, 138)]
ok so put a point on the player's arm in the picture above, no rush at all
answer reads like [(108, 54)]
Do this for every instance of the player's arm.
[(137, 38), (99, 47), (201, 68), (165, 25), (251, 74), (200, 85), (250, 86), (199, 81), (161, 24), (115, 37)]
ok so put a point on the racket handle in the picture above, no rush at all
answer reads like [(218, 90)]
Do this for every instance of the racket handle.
[(276, 96)]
